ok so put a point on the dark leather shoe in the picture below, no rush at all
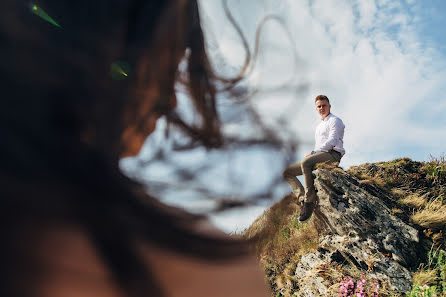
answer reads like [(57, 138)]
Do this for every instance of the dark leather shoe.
[(306, 211)]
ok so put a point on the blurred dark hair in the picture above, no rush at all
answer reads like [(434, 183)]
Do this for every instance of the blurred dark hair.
[(65, 123)]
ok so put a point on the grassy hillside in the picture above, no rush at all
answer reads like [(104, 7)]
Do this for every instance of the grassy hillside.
[(416, 193)]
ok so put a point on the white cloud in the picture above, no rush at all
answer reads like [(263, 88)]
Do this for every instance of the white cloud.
[(367, 10)]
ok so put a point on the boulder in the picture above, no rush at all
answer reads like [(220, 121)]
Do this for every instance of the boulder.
[(359, 228)]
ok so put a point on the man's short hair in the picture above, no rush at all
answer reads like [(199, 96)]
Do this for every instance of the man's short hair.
[(321, 97)]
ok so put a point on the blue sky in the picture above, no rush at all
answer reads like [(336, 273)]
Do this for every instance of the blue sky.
[(433, 23), (382, 63)]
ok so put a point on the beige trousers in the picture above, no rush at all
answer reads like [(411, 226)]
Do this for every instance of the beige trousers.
[(305, 167)]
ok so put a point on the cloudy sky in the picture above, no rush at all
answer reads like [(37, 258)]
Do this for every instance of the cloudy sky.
[(382, 63)]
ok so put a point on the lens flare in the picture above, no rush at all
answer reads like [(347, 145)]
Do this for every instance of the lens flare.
[(43, 15), (119, 70)]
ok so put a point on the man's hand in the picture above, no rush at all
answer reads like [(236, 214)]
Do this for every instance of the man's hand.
[(307, 155)]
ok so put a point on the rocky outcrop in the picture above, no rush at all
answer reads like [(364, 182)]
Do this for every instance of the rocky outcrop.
[(357, 227)]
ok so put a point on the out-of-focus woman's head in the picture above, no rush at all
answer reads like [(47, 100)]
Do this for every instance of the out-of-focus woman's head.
[(61, 90), (82, 84)]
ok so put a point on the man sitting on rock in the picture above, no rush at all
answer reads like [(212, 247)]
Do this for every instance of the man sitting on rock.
[(328, 147)]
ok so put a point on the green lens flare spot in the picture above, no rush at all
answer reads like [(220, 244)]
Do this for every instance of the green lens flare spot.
[(120, 70), (43, 15)]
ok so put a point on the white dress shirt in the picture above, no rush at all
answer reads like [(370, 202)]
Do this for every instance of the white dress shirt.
[(329, 135)]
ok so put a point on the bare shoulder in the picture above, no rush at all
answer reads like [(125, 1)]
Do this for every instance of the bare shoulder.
[(69, 266), (72, 267), (184, 276)]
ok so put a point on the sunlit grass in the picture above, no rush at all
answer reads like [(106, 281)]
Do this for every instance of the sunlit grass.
[(425, 277), (414, 200), (431, 218)]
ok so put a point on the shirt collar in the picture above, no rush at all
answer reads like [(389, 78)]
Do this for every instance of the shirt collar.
[(328, 117)]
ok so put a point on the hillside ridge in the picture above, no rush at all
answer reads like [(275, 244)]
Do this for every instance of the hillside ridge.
[(374, 222)]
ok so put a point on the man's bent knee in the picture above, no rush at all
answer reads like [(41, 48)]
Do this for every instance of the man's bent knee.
[(308, 164)]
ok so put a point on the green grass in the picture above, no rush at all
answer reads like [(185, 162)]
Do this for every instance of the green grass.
[(430, 279), (435, 169)]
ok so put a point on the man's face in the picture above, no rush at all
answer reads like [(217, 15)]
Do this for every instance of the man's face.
[(323, 108)]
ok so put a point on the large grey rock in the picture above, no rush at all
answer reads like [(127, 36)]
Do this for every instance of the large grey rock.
[(362, 230), (311, 285)]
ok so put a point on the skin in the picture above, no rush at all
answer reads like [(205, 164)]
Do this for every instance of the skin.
[(134, 139), (73, 268), (323, 109)]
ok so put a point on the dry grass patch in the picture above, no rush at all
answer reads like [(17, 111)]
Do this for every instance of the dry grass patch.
[(329, 165), (414, 200), (431, 217), (372, 181), (398, 192), (277, 235), (293, 243), (280, 254), (269, 223), (435, 205), (396, 211), (425, 277)]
